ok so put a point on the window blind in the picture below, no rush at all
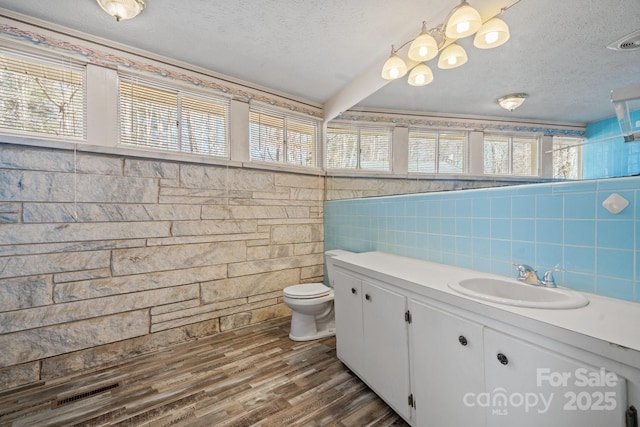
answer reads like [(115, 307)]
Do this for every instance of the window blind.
[(41, 97), (342, 148), (422, 151), (524, 156), (277, 137), (496, 155), (301, 142), (159, 117), (452, 149), (375, 148), (266, 137), (204, 125)]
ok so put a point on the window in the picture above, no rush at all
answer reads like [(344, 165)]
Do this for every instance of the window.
[(158, 117), (510, 155), (40, 97), (274, 137), (437, 152), (359, 148), (567, 157)]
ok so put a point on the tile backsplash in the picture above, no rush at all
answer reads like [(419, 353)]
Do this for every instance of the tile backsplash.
[(542, 225)]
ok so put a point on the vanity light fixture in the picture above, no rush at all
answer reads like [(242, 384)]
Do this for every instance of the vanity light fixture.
[(452, 56), (394, 68), (512, 101), (122, 9), (420, 75), (462, 21)]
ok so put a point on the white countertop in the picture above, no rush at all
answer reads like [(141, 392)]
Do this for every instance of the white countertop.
[(606, 326)]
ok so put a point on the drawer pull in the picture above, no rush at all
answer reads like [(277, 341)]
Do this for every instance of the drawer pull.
[(463, 340), (367, 297), (353, 291), (503, 359)]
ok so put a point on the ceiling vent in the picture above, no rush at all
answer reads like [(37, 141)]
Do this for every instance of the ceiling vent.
[(628, 42)]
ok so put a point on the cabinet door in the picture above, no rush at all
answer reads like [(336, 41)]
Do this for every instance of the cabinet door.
[(349, 329), (386, 346), (531, 386), (447, 364)]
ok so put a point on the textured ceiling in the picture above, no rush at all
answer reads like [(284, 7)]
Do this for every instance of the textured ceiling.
[(317, 50)]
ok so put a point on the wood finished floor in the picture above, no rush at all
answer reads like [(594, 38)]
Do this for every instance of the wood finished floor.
[(253, 376)]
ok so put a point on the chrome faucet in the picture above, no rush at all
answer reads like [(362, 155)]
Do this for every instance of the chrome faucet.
[(548, 280), (528, 275)]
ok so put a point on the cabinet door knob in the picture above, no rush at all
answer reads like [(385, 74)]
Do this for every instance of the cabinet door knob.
[(367, 297), (463, 340), (353, 291), (503, 359)]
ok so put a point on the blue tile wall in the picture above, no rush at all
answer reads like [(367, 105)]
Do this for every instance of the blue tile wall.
[(489, 229), (605, 154)]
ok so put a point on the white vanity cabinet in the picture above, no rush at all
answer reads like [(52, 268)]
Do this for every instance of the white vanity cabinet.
[(348, 306), (439, 359), (372, 339), (447, 363), (532, 386)]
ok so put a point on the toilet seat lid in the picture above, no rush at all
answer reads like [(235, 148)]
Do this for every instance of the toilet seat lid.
[(307, 290)]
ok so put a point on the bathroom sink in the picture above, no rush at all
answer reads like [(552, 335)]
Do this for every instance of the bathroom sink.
[(512, 292)]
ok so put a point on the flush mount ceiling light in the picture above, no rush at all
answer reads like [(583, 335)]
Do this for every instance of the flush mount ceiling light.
[(122, 9), (512, 101), (462, 21)]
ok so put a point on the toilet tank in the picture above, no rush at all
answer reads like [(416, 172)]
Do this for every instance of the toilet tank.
[(328, 260)]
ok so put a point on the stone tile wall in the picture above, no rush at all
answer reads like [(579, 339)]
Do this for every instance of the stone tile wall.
[(340, 188), (104, 257)]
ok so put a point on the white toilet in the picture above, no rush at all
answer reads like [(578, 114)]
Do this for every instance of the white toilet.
[(312, 306)]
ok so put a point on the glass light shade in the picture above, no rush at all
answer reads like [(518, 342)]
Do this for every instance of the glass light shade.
[(513, 101), (453, 56), (463, 22), (122, 9), (420, 75), (423, 48), (394, 68), (493, 33)]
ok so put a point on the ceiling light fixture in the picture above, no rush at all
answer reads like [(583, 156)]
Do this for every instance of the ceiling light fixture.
[(122, 9), (420, 75), (512, 101), (462, 21), (394, 68)]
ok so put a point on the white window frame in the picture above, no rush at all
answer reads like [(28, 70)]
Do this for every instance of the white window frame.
[(180, 94), (358, 130), (438, 133), (510, 137), (571, 142), (288, 120), (64, 65)]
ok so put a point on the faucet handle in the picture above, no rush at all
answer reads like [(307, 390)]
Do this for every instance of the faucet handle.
[(526, 273), (522, 268), (548, 279)]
